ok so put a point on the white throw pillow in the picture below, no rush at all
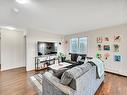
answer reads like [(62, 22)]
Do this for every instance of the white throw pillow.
[(79, 58)]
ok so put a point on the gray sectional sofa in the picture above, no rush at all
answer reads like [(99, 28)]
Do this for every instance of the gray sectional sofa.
[(84, 82)]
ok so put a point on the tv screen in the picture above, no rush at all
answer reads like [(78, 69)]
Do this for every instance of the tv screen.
[(46, 48)]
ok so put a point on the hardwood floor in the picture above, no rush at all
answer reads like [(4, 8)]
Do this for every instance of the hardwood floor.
[(113, 85), (17, 82)]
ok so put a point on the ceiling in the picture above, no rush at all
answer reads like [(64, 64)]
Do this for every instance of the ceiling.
[(63, 16)]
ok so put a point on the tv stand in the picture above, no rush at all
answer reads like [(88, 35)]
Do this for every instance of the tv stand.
[(42, 62)]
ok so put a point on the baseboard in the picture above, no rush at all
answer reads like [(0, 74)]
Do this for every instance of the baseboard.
[(30, 69), (116, 74), (12, 68)]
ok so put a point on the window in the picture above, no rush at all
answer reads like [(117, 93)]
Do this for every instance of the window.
[(83, 45), (74, 45), (78, 45)]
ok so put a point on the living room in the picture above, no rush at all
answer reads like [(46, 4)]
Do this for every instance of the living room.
[(44, 43)]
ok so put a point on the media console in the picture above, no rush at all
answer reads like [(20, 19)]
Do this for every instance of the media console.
[(42, 62)]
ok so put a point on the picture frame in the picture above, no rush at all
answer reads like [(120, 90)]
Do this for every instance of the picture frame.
[(116, 47), (99, 39), (106, 56), (107, 47), (99, 46), (117, 58), (99, 56), (117, 38), (106, 39)]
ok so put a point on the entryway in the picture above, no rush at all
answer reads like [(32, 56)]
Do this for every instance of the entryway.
[(12, 49)]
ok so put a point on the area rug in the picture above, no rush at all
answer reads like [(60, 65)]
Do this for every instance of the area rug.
[(37, 81)]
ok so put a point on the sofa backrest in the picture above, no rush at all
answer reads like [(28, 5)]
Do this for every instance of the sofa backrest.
[(75, 81), (74, 56), (86, 83), (69, 77)]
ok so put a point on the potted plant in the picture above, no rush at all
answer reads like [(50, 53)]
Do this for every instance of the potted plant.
[(61, 56)]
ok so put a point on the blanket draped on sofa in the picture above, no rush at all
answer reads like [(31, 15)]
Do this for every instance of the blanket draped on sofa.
[(100, 66)]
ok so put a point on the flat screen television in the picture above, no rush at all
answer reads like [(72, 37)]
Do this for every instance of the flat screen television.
[(46, 48)]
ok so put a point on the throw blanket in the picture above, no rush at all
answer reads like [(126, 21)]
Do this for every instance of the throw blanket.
[(100, 66)]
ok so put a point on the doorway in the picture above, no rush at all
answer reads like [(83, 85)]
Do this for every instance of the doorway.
[(12, 49)]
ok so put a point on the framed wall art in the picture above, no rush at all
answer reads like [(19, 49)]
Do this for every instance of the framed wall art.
[(99, 47), (117, 38), (99, 39), (98, 55), (117, 58), (116, 47), (106, 39), (107, 47), (106, 56)]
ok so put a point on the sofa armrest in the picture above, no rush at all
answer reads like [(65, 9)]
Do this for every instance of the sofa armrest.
[(55, 82)]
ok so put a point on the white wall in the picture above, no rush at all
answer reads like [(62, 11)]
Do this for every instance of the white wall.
[(115, 67), (12, 49), (31, 45), (0, 48)]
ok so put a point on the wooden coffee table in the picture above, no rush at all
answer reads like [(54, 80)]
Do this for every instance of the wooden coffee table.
[(59, 66)]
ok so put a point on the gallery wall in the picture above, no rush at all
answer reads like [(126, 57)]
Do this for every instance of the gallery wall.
[(111, 65)]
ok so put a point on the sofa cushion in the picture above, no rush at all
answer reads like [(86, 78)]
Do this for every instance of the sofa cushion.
[(58, 73), (74, 73), (74, 57), (79, 58)]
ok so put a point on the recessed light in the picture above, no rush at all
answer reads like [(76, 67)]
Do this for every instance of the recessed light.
[(22, 1)]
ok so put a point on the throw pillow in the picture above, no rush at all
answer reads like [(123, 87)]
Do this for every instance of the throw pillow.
[(79, 58), (58, 73), (66, 78)]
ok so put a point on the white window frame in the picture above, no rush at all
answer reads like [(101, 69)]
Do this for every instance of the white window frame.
[(78, 51)]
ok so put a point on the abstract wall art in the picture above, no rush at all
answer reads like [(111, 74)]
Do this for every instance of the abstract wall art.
[(106, 39), (116, 47), (99, 47), (107, 47), (106, 56), (117, 58), (117, 38), (99, 39), (98, 55)]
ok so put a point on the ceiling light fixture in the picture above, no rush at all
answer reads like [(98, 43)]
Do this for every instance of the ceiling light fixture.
[(9, 27), (22, 1)]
